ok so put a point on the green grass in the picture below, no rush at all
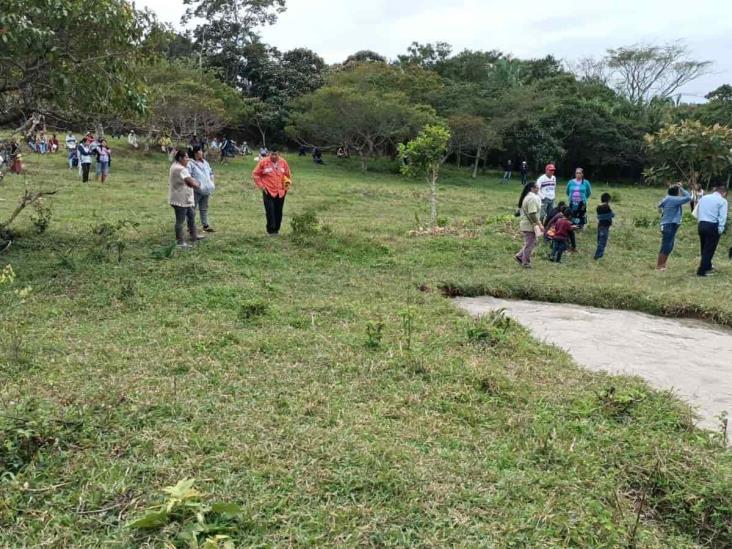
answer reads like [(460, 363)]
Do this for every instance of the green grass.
[(312, 381)]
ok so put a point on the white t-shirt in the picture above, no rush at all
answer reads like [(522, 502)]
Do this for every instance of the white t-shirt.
[(547, 187)]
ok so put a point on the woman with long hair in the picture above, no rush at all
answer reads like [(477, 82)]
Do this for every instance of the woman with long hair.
[(529, 209)]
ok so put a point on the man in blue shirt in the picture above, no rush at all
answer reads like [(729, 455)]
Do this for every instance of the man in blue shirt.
[(712, 215)]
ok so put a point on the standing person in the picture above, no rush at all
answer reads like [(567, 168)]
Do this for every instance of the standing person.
[(104, 160), (71, 149), (697, 192), (605, 216), (132, 139), (509, 171), (180, 196), (273, 176), (671, 208), (318, 156), (201, 171), (524, 172), (530, 224), (85, 158), (563, 228), (579, 191), (712, 211), (547, 190)]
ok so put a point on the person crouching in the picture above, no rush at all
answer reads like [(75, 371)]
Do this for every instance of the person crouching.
[(563, 228)]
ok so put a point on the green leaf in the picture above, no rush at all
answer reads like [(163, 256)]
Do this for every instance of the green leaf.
[(151, 520), (227, 508)]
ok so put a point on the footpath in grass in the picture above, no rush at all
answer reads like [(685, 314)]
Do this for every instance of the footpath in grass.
[(323, 382)]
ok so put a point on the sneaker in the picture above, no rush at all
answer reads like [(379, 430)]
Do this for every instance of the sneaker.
[(518, 260), (184, 246), (527, 266), (209, 229), (200, 237)]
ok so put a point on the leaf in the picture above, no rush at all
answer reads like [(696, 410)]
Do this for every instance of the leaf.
[(151, 520), (183, 490), (227, 508)]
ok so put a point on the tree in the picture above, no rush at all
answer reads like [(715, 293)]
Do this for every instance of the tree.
[(424, 155), (69, 56), (469, 134), (689, 151), (718, 110), (427, 56), (642, 72), (364, 56), (363, 121)]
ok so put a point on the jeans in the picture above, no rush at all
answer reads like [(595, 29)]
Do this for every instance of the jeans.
[(524, 254), (507, 176), (273, 206), (524, 179), (85, 172), (547, 205), (558, 248), (72, 157), (603, 233), (202, 206), (668, 237), (708, 238), (183, 215)]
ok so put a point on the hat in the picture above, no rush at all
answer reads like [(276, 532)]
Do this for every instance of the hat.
[(550, 168)]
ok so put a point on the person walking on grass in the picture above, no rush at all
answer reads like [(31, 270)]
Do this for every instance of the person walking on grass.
[(201, 171), (605, 216), (671, 208), (712, 215), (85, 158), (71, 150), (529, 223), (104, 160), (180, 196), (509, 171), (273, 176), (547, 190)]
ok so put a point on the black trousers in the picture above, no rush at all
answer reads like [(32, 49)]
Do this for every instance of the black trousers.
[(85, 172), (708, 238), (273, 206)]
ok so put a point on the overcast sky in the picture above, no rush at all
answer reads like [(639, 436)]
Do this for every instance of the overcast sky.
[(566, 29)]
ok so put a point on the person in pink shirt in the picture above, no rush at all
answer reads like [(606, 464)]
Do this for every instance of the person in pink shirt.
[(273, 176)]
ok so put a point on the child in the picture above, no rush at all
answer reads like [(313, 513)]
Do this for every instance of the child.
[(563, 228), (605, 217)]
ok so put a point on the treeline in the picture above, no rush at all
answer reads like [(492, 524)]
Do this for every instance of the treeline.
[(113, 65)]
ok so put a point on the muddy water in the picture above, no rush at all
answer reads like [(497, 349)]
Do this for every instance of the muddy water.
[(690, 357)]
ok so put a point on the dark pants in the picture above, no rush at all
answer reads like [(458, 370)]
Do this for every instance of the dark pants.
[(273, 206), (85, 172), (524, 178), (708, 238), (181, 216), (603, 234), (668, 238), (572, 241), (558, 248)]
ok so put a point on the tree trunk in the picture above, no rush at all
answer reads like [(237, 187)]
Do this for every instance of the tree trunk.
[(459, 156), (477, 162), (433, 199)]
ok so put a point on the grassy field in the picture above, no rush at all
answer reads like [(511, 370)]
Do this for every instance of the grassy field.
[(324, 383)]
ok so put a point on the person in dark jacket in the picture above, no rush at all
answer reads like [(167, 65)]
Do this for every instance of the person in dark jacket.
[(605, 217)]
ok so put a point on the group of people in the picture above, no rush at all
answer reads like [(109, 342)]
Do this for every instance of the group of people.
[(80, 155), (191, 184), (539, 218), (39, 143), (523, 169)]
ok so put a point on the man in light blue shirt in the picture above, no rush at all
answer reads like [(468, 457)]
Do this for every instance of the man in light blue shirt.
[(712, 215)]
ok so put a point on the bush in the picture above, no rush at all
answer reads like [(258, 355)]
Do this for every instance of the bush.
[(305, 225)]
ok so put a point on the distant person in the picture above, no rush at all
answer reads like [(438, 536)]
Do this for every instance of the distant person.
[(561, 230), (579, 191), (712, 215), (529, 223), (245, 148), (201, 171), (42, 143), (697, 191), (273, 176), (547, 190), (104, 160), (193, 142), (53, 144), (524, 169), (509, 171), (671, 208), (318, 156), (263, 152), (85, 158), (340, 153), (302, 150), (132, 139), (71, 151), (552, 218), (605, 216), (180, 196)]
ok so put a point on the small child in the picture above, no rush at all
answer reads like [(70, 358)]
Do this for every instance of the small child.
[(605, 217), (563, 228)]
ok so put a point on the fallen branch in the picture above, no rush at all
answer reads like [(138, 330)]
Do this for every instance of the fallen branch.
[(26, 200)]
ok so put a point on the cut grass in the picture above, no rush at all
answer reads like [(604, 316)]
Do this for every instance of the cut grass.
[(251, 365)]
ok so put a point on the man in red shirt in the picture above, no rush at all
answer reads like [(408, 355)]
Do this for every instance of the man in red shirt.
[(273, 176)]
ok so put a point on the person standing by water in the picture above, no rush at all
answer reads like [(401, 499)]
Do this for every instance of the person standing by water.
[(180, 196), (712, 215), (671, 208), (201, 171), (529, 223), (547, 190), (273, 176)]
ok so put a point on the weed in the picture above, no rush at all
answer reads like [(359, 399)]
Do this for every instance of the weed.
[(374, 334), (305, 225), (644, 222), (42, 214), (620, 404), (489, 330), (251, 311)]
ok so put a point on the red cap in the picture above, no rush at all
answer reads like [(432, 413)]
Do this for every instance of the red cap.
[(550, 168)]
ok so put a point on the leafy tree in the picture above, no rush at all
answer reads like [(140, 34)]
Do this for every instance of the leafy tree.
[(469, 134), (689, 151), (364, 56), (418, 84), (69, 56), (718, 110), (423, 156), (427, 56)]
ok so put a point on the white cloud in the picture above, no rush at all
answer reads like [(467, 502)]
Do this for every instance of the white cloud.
[(527, 28)]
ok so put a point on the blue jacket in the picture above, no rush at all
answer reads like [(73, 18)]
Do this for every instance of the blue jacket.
[(671, 207), (584, 188)]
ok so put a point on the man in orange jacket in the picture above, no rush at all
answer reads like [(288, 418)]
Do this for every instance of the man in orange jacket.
[(273, 176)]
